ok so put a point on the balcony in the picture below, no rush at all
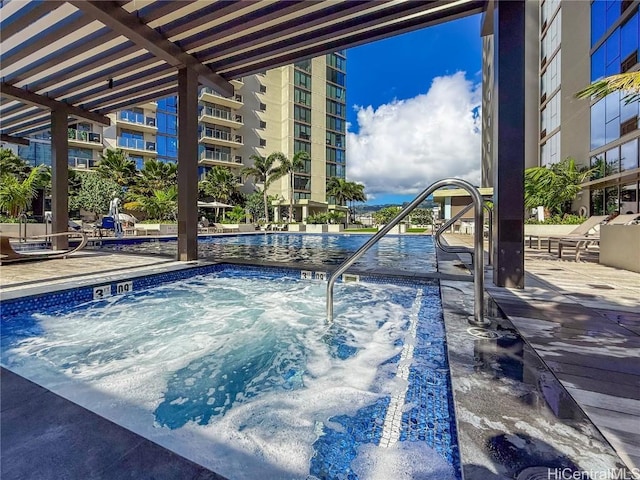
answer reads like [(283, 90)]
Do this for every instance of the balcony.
[(209, 95), (78, 163), (220, 158), (212, 136), (82, 139), (137, 145), (136, 121), (223, 118)]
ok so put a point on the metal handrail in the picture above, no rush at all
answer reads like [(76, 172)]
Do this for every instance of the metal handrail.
[(478, 267), (22, 220)]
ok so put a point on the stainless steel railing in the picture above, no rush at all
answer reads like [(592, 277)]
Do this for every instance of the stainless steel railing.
[(478, 265)]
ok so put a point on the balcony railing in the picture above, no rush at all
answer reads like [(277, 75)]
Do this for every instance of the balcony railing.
[(136, 143), (138, 118), (220, 157), (237, 97), (82, 163), (83, 136)]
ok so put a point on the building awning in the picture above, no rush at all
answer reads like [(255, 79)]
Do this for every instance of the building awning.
[(97, 57)]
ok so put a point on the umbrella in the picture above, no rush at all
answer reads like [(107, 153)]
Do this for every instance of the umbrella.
[(214, 205), (125, 217)]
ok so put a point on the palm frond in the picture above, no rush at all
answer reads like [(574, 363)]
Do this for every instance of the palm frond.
[(628, 82)]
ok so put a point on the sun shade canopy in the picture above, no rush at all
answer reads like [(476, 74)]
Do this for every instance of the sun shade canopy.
[(97, 57)]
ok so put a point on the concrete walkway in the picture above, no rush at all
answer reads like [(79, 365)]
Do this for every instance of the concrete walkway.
[(583, 319)]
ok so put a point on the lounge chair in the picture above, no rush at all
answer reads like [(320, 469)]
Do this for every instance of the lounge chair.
[(583, 243), (589, 225), (9, 255)]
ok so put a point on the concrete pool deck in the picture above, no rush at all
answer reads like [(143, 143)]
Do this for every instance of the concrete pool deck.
[(579, 319)]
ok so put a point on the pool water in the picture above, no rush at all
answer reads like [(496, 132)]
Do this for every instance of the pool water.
[(238, 371), (406, 252)]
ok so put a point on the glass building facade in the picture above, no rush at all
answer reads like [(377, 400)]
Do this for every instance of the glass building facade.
[(615, 121)]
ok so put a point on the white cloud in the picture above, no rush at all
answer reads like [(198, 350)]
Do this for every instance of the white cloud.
[(404, 146)]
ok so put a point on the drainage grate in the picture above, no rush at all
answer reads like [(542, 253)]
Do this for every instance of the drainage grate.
[(483, 333), (601, 287)]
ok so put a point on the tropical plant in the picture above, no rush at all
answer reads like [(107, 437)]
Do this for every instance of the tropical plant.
[(554, 187), (290, 167), (386, 214), (116, 165), (161, 205), (421, 216), (628, 82), (16, 195), (344, 191), (219, 184), (237, 215), (93, 193), (156, 175), (11, 164), (265, 171)]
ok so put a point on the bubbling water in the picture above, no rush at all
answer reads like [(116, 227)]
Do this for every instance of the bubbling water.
[(238, 374)]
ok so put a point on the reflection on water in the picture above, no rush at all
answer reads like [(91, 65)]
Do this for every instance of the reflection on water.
[(413, 253)]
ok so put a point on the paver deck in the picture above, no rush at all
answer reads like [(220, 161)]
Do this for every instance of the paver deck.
[(583, 319)]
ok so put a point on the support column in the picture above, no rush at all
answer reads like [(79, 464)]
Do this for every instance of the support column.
[(305, 213), (509, 146), (187, 164), (59, 178)]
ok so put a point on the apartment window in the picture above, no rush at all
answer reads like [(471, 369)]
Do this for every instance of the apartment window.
[(335, 170), (335, 76), (598, 21), (629, 198), (302, 131), (301, 114), (263, 107), (629, 155), (551, 40), (334, 123), (598, 64), (336, 108), (335, 139), (335, 155), (551, 77), (302, 79), (629, 37), (167, 123), (301, 196), (304, 65), (551, 114), (263, 124), (300, 146), (337, 62), (302, 97), (550, 150), (612, 47), (263, 142), (263, 89), (301, 182), (335, 92)]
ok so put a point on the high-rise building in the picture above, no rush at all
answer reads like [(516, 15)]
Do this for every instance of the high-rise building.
[(299, 107), (575, 43)]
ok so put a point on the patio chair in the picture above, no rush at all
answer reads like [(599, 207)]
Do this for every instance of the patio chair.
[(584, 229), (582, 244), (105, 224)]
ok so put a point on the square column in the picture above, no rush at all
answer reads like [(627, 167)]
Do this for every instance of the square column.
[(509, 150), (187, 164), (59, 178)]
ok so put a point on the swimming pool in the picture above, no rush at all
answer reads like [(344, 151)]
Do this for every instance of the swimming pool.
[(236, 369), (404, 252)]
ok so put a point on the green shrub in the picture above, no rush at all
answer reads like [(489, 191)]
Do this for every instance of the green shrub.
[(566, 219)]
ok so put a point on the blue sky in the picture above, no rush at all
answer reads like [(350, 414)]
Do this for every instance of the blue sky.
[(414, 124)]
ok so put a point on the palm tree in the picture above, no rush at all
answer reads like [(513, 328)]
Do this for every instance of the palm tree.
[(162, 205), (289, 167), (627, 82), (16, 194), (345, 191), (265, 172), (156, 175), (115, 164), (553, 187), (219, 183)]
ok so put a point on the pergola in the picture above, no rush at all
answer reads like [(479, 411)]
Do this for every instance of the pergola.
[(84, 59)]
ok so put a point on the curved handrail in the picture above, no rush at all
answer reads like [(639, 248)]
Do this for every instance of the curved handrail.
[(478, 267), (446, 248), (11, 255)]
